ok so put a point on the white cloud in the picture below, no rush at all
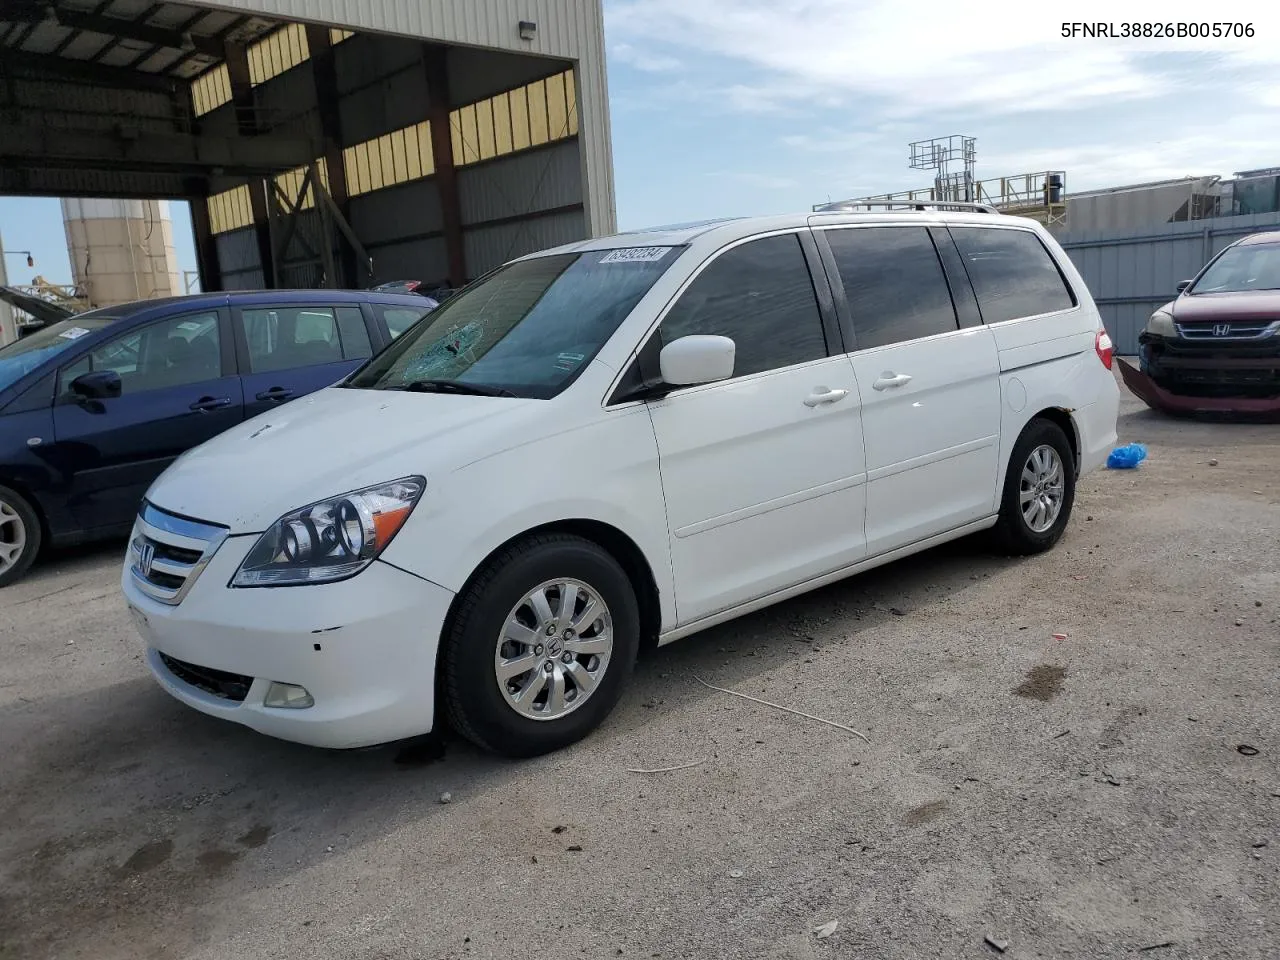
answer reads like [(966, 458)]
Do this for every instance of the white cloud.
[(643, 60), (829, 140), (763, 181), (1196, 151), (927, 58)]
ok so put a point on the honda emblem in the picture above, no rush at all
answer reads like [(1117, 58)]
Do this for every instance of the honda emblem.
[(1222, 329), (146, 557)]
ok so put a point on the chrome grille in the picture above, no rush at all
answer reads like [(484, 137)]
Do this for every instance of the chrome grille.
[(1229, 330), (168, 553)]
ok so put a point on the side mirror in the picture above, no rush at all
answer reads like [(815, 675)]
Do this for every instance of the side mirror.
[(1183, 284), (697, 359), (99, 385)]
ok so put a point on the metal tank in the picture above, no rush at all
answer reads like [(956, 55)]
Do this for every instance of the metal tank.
[(121, 250)]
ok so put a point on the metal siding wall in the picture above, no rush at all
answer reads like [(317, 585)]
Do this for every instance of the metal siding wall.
[(301, 276), (238, 250), (424, 260), (1131, 275), (100, 107), (406, 210), (363, 60), (489, 247), (520, 184), (593, 119), (245, 280), (476, 75), (238, 261), (570, 29), (487, 23), (219, 122), (290, 94), (1129, 210), (392, 104), (296, 266)]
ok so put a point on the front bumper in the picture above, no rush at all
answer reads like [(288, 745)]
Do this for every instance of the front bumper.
[(1156, 396), (364, 648), (1207, 368)]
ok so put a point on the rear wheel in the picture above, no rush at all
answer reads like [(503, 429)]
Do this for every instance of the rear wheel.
[(1039, 490), (540, 647), (20, 536)]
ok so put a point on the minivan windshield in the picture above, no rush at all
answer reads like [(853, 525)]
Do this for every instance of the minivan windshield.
[(1248, 267), (525, 330), (22, 356)]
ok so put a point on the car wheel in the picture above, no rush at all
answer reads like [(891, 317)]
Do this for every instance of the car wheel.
[(20, 536), (1039, 490), (540, 646)]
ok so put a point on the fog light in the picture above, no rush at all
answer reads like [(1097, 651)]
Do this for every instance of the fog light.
[(288, 696)]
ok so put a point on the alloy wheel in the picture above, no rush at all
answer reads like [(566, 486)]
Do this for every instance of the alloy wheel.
[(1043, 488), (13, 536), (554, 649)]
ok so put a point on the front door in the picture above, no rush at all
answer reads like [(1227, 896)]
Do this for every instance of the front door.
[(290, 351), (177, 391), (930, 390), (763, 473)]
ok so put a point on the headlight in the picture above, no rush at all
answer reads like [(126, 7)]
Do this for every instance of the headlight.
[(330, 540), (1161, 324)]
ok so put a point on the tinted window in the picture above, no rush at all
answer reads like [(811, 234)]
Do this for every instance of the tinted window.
[(35, 397), (354, 334), (170, 353), (22, 356), (400, 319), (528, 328), (760, 295), (282, 338), (894, 284), (1012, 273)]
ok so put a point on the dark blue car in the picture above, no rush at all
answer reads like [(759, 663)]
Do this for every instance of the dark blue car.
[(94, 407)]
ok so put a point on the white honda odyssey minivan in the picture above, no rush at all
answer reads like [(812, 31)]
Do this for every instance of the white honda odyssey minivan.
[(615, 443)]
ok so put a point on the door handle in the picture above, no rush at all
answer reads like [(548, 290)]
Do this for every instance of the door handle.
[(205, 404), (889, 379), (823, 395), (276, 393)]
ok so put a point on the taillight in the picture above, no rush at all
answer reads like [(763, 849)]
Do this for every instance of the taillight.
[(1106, 350)]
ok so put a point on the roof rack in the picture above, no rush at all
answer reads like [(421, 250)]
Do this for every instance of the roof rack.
[(853, 206)]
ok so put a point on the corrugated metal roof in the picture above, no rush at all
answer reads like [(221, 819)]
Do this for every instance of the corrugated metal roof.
[(174, 39), (183, 40)]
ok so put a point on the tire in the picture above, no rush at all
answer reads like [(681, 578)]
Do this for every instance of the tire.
[(20, 536), (497, 624), (1015, 532)]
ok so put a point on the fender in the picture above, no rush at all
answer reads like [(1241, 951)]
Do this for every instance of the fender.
[(1028, 392), (605, 471)]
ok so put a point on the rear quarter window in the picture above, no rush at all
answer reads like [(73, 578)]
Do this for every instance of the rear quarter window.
[(1012, 273), (400, 319)]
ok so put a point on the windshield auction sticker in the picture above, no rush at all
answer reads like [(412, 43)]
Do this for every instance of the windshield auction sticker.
[(73, 333), (635, 255)]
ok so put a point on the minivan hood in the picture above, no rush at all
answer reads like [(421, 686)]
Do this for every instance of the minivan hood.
[(1245, 305), (326, 444)]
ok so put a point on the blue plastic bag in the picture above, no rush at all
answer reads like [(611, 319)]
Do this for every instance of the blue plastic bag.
[(1127, 457)]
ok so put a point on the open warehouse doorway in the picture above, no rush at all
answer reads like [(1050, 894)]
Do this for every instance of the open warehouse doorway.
[(392, 140)]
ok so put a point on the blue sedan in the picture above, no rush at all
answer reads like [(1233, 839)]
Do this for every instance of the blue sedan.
[(94, 407)]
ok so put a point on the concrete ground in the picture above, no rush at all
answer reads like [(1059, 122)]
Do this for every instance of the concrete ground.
[(1115, 793)]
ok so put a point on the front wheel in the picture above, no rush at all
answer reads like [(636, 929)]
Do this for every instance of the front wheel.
[(540, 647), (1039, 490), (19, 536)]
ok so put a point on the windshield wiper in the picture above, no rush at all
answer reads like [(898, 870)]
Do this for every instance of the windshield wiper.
[(455, 386)]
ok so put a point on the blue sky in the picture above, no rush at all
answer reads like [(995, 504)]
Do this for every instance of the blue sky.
[(723, 107)]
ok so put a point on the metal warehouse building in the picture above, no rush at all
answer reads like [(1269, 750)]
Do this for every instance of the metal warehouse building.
[(321, 142)]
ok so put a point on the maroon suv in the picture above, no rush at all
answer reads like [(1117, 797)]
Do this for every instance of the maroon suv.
[(1217, 346)]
